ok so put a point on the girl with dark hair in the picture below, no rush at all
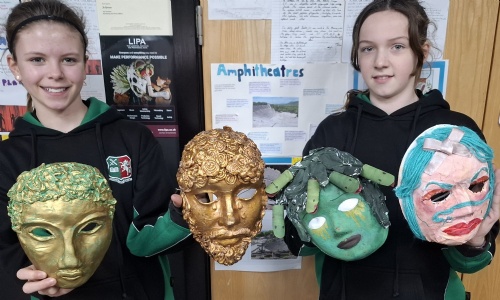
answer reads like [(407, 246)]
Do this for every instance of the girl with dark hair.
[(390, 46)]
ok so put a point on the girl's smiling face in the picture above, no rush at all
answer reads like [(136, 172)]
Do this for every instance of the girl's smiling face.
[(386, 60), (50, 62)]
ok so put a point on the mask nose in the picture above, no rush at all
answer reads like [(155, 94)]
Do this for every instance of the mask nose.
[(69, 259), (229, 213)]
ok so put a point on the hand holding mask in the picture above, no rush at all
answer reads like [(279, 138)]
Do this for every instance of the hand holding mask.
[(221, 176), (334, 202), (62, 214), (445, 185)]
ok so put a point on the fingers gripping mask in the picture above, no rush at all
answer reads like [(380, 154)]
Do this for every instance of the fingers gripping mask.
[(62, 214), (221, 176), (334, 202), (445, 184)]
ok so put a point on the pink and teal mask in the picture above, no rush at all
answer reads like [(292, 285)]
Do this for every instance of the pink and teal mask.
[(445, 184)]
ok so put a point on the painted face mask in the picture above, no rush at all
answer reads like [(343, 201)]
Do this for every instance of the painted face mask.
[(221, 179), (445, 184), (62, 214), (334, 201)]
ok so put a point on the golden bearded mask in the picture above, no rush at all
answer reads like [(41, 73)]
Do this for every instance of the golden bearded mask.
[(221, 176), (62, 214)]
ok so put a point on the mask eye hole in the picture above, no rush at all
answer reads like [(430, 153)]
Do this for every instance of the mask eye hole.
[(91, 228), (440, 196), (247, 194), (478, 185), (348, 204), (204, 198), (41, 232), (436, 196), (316, 223)]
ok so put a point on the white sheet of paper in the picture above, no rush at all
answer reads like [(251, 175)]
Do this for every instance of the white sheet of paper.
[(239, 9), (130, 17), (306, 32)]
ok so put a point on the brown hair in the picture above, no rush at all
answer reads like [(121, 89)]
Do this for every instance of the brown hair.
[(418, 23), (26, 13)]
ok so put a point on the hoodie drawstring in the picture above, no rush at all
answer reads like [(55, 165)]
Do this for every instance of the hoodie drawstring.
[(119, 251), (343, 272), (33, 149), (413, 126), (395, 288), (356, 128), (410, 139), (351, 150), (395, 292)]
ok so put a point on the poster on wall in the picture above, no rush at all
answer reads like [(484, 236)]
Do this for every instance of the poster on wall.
[(278, 106), (138, 62), (321, 31), (94, 84), (12, 93), (138, 73)]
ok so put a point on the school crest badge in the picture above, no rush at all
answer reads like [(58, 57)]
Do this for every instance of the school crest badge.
[(119, 168)]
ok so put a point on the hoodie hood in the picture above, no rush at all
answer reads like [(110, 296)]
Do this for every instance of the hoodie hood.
[(361, 105), (98, 112), (433, 100), (98, 115)]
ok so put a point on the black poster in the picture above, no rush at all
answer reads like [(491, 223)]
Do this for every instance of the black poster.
[(138, 80)]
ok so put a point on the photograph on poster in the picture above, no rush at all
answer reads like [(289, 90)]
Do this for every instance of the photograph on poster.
[(275, 111), (266, 246), (8, 115), (93, 67)]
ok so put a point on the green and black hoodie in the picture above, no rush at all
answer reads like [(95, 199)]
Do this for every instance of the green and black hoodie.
[(404, 268), (145, 229)]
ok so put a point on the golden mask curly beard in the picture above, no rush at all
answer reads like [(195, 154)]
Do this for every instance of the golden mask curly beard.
[(226, 255)]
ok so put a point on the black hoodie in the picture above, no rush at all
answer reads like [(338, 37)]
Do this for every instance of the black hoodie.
[(142, 194), (404, 268)]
